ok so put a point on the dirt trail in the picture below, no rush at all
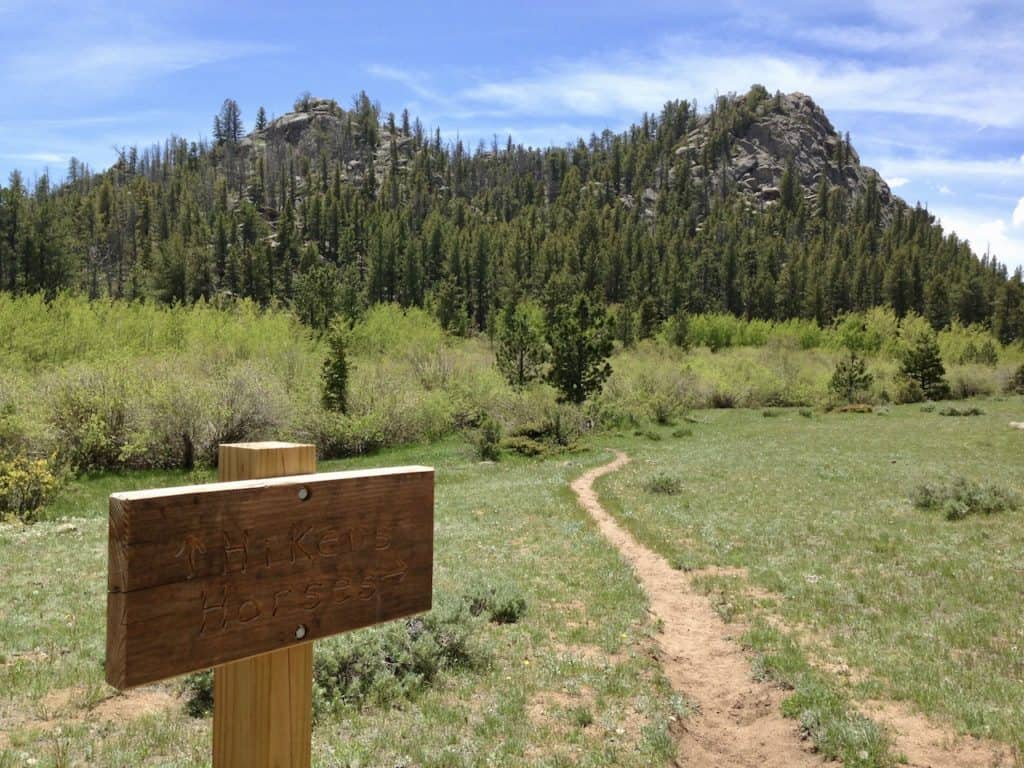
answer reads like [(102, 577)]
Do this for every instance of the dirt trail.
[(738, 721)]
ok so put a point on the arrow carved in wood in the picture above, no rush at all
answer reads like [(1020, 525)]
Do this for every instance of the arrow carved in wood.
[(192, 545)]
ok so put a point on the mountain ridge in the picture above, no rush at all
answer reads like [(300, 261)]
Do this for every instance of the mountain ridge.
[(755, 206)]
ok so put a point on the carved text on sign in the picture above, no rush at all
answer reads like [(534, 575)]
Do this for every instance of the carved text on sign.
[(202, 575)]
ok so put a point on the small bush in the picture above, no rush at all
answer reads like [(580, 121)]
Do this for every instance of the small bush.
[(961, 498), (721, 398), (502, 604), (487, 440), (650, 434), (971, 382), (855, 408), (525, 446), (381, 664), (197, 688), (850, 380), (394, 661), (25, 486), (664, 484), (682, 432), (807, 413), (908, 391), (1015, 386), (582, 717), (770, 413), (92, 415), (953, 411)]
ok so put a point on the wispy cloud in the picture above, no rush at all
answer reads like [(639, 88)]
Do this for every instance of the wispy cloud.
[(946, 167), (36, 157), (628, 83), (117, 64), (897, 181), (417, 84)]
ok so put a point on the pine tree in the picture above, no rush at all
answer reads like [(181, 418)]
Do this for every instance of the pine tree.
[(521, 352), (336, 368), (581, 343), (851, 378), (922, 363), (261, 119), (227, 124)]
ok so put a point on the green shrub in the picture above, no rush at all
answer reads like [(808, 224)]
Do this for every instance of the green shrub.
[(855, 408), (582, 717), (25, 486), (771, 413), (525, 446), (334, 375), (1016, 383), (952, 411), (973, 381), (92, 414), (380, 665), (664, 484), (908, 391), (807, 413), (393, 661), (501, 603), (559, 425), (722, 398), (197, 690), (677, 330), (682, 432), (487, 439), (851, 379), (648, 434), (960, 498), (970, 344)]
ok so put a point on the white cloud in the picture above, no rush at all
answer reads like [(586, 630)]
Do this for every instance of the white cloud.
[(38, 157), (116, 64), (631, 84), (986, 235), (945, 190), (946, 167), (1018, 214), (897, 181)]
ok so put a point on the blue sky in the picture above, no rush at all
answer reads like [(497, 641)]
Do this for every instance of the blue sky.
[(931, 91)]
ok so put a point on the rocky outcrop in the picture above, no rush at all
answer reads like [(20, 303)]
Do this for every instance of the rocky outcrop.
[(783, 129)]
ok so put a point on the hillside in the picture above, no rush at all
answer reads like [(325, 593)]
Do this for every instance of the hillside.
[(757, 207)]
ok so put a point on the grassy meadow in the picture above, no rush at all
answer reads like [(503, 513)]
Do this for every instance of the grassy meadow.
[(571, 682), (539, 650), (894, 602)]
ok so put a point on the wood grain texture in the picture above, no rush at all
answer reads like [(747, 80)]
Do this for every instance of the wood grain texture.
[(202, 575), (263, 705)]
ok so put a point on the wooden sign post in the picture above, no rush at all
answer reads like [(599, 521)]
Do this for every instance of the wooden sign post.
[(242, 575)]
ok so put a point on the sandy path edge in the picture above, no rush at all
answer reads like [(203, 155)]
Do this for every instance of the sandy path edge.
[(738, 721)]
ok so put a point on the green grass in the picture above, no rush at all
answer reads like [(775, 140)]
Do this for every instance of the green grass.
[(818, 511), (842, 571), (571, 681)]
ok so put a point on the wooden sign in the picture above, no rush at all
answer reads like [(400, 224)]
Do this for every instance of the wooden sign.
[(206, 574)]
